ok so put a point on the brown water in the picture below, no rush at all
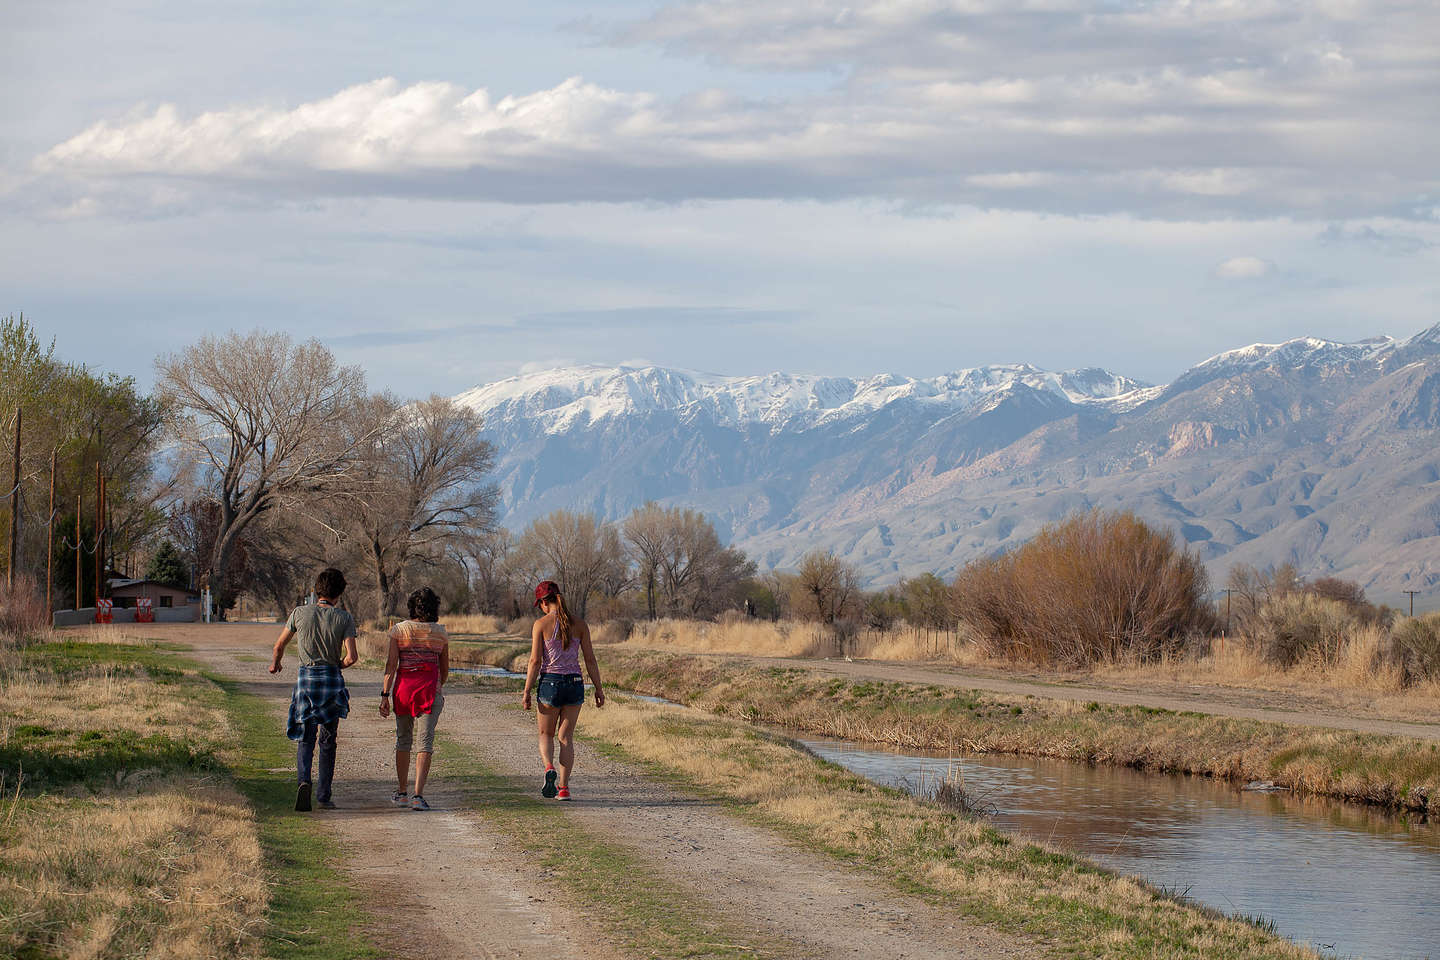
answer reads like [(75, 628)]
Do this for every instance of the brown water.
[(1343, 878)]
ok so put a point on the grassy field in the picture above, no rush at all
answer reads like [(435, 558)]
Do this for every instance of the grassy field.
[(1394, 772), (958, 862), (141, 816), (121, 833)]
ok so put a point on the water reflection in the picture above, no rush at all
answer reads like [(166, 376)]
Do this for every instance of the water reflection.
[(1344, 878)]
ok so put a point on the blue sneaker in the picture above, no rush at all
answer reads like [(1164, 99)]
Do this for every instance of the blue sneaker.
[(417, 802)]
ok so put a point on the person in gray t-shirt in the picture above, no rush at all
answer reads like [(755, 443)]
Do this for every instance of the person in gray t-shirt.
[(326, 640), (321, 633)]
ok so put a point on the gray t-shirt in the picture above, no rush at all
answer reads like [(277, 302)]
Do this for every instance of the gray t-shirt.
[(320, 633)]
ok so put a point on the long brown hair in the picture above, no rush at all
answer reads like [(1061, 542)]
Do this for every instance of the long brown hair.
[(562, 619)]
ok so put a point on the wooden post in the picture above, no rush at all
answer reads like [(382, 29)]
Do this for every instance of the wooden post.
[(15, 505), (50, 539)]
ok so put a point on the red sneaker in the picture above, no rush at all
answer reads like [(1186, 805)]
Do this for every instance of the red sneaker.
[(564, 794)]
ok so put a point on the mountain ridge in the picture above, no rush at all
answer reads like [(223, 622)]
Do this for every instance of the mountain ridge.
[(904, 474)]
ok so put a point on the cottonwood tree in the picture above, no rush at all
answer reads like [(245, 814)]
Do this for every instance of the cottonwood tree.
[(826, 588), (677, 553), (700, 574), (574, 550), (420, 487), (83, 417), (647, 532), (489, 556), (261, 414)]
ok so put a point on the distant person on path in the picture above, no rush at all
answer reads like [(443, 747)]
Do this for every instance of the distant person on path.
[(416, 669), (325, 636), (557, 642)]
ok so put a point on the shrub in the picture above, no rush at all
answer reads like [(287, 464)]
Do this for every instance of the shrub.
[(611, 631), (1297, 626), (1415, 647), (1097, 587), (22, 611)]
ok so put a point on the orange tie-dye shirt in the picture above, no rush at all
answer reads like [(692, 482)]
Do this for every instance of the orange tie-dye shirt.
[(420, 644)]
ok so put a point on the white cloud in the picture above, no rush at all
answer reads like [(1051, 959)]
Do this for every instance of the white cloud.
[(1244, 268), (1160, 109)]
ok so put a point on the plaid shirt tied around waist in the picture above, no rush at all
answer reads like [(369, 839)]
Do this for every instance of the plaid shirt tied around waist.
[(320, 695)]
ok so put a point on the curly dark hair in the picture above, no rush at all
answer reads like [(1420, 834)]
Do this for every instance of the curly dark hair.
[(425, 605), (330, 583)]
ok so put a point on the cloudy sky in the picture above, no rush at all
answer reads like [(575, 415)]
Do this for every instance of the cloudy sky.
[(447, 193)]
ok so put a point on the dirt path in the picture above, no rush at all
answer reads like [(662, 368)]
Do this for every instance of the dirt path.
[(443, 885), (454, 890), (1210, 700)]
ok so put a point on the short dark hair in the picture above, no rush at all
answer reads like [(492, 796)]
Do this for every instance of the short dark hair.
[(330, 583), (425, 605)]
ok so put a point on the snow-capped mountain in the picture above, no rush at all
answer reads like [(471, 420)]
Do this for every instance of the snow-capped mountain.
[(906, 474), (573, 398)]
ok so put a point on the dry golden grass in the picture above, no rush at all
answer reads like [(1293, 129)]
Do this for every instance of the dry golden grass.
[(116, 840), (472, 623), (173, 871), (760, 638), (106, 698), (980, 872), (1358, 676)]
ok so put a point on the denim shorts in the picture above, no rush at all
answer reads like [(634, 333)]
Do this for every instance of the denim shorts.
[(561, 690)]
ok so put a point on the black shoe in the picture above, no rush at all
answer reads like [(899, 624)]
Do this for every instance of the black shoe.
[(302, 797), (549, 790), (325, 804)]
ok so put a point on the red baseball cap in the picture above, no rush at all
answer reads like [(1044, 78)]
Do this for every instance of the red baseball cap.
[(545, 590)]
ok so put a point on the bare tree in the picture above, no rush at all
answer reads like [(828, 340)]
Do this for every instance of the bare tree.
[(262, 413), (489, 556), (647, 533), (826, 588), (573, 550), (420, 487)]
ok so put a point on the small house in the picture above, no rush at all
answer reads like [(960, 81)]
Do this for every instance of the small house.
[(170, 604)]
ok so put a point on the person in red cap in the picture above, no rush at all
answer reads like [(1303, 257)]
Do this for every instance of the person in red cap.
[(557, 642)]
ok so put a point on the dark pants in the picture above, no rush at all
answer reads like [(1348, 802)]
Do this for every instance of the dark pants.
[(305, 753)]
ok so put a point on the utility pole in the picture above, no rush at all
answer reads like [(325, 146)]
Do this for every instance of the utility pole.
[(15, 505), (1228, 591), (50, 539), (1412, 600), (78, 576), (99, 529)]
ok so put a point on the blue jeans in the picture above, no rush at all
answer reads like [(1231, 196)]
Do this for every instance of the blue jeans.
[(305, 754)]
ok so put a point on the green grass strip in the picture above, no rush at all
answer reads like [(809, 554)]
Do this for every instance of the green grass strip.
[(646, 914), (314, 913)]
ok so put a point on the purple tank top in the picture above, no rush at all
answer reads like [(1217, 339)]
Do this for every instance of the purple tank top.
[(558, 660)]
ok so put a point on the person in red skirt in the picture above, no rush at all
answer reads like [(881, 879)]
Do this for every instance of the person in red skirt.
[(416, 669)]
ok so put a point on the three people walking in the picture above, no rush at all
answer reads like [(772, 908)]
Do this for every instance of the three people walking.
[(417, 664)]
